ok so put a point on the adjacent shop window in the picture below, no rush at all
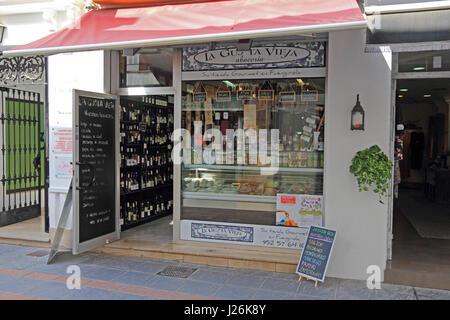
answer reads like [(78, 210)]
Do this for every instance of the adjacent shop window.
[(425, 61), (292, 113), (149, 67)]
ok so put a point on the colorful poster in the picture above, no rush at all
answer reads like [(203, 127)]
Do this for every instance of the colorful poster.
[(299, 210)]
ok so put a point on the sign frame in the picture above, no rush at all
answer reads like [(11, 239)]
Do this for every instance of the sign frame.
[(292, 92), (328, 258), (315, 91), (244, 90), (78, 247), (228, 92), (261, 98)]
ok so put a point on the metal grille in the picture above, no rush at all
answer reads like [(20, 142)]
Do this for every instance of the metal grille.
[(22, 141), (177, 272)]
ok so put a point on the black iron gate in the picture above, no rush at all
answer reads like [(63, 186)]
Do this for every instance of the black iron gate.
[(22, 155)]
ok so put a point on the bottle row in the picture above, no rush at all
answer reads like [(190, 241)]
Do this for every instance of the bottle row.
[(157, 138), (133, 158), (133, 181), (150, 116), (133, 211)]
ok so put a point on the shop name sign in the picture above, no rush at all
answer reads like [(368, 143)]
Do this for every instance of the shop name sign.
[(254, 55), (246, 234), (221, 232), (277, 55)]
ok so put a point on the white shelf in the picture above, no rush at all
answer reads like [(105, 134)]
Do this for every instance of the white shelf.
[(229, 197), (252, 168)]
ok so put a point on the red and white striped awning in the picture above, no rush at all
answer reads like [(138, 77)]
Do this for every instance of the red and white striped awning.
[(185, 23)]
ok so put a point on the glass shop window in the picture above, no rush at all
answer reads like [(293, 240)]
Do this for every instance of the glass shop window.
[(149, 67), (235, 189)]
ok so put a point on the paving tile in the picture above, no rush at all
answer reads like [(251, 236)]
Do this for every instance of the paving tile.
[(148, 267), (231, 292), (50, 268), (271, 295), (199, 288), (100, 273), (166, 283), (353, 290), (391, 296), (326, 289), (260, 273), (306, 297), (114, 295), (281, 275), (49, 290), (20, 285), (211, 276), (17, 262), (134, 278), (5, 278), (432, 294), (68, 258), (393, 292), (283, 285), (86, 293), (246, 280)]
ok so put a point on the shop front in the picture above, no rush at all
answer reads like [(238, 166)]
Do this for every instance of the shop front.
[(236, 140)]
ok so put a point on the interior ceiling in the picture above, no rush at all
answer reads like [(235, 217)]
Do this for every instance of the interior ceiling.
[(410, 60), (417, 88)]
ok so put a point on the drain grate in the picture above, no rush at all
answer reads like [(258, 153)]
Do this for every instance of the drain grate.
[(38, 253), (177, 272)]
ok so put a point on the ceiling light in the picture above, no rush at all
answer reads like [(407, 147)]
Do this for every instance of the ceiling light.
[(403, 90), (427, 95), (418, 68), (400, 96)]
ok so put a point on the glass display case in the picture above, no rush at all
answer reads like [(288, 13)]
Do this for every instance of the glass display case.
[(245, 183)]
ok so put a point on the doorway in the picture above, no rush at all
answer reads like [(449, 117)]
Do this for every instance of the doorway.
[(421, 205), (146, 169), (22, 165)]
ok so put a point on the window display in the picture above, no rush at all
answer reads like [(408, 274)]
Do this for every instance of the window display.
[(292, 113)]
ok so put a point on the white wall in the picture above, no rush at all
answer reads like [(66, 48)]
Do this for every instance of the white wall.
[(360, 220), (66, 72)]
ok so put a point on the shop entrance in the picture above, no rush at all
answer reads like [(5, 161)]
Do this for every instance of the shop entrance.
[(421, 210), (146, 168)]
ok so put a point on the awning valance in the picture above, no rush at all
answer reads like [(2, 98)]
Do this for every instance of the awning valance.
[(184, 23)]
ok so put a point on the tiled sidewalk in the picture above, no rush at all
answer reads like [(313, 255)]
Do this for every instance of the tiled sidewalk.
[(111, 277)]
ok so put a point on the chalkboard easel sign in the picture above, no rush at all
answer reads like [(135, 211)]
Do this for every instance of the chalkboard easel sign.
[(96, 193), (316, 253)]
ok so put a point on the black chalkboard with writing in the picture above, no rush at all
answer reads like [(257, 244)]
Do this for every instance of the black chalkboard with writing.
[(316, 253), (97, 183)]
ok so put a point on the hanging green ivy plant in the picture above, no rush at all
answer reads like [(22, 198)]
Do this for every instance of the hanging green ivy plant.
[(372, 168)]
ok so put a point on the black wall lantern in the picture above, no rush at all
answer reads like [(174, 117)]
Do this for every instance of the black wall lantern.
[(357, 116)]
